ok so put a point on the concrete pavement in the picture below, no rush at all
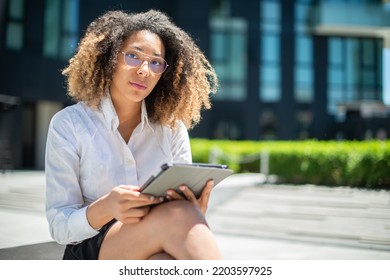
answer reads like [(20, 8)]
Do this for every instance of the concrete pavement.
[(250, 218), (277, 222)]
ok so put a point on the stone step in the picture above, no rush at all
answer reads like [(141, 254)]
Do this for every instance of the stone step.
[(315, 215), (22, 201)]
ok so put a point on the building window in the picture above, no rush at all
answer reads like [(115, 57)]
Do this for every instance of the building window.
[(228, 129), (15, 26), (303, 88), (270, 51), (385, 74), (61, 28), (354, 71), (229, 52)]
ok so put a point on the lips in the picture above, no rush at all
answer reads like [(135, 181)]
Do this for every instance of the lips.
[(138, 85)]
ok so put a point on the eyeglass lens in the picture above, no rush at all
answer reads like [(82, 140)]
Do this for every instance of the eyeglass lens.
[(156, 64)]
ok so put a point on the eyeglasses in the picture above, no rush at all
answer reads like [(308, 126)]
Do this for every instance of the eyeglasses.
[(135, 58)]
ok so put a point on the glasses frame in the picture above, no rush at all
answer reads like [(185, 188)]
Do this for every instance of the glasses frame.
[(144, 57)]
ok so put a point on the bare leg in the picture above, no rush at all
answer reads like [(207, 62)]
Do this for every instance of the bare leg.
[(175, 228)]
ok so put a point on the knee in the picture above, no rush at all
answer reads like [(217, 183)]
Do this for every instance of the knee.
[(180, 212)]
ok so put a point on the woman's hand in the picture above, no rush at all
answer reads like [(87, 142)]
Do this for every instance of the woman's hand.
[(125, 203), (128, 205), (202, 202)]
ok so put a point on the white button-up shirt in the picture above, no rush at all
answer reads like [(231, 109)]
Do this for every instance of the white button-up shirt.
[(86, 157)]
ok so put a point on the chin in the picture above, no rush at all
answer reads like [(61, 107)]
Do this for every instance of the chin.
[(136, 98)]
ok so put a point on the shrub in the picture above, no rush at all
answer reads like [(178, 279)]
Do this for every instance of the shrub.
[(333, 163)]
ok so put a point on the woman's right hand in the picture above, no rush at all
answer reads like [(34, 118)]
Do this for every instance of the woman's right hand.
[(128, 205)]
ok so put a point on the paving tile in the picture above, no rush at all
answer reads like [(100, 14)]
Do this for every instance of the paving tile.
[(250, 219)]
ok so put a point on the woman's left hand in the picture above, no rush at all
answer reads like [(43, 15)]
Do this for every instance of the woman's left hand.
[(202, 202)]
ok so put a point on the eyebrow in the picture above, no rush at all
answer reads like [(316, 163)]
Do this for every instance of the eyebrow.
[(141, 50)]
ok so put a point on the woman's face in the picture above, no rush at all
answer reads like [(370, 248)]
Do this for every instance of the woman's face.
[(132, 82)]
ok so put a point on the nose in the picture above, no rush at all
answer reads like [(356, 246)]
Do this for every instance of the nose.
[(143, 69)]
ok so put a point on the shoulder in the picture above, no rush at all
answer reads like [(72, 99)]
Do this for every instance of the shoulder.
[(170, 136), (174, 141), (179, 129), (63, 115), (70, 113), (68, 116)]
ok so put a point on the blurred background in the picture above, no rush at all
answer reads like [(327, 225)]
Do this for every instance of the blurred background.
[(289, 69)]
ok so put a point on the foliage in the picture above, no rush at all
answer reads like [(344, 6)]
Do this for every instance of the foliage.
[(333, 163)]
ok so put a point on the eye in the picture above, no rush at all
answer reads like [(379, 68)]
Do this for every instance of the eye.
[(156, 62), (132, 55)]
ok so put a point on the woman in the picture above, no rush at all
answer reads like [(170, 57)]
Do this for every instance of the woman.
[(140, 82)]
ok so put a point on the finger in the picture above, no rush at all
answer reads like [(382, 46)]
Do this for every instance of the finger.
[(130, 220), (151, 199), (130, 192), (207, 189), (130, 188), (133, 193), (173, 195), (136, 203), (133, 215), (138, 212), (188, 193)]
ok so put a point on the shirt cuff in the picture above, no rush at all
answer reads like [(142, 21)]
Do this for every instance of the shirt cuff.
[(79, 221)]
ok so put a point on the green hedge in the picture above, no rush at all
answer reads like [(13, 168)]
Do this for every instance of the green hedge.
[(333, 163)]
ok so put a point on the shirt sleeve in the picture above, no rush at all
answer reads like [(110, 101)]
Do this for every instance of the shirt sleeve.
[(180, 145), (65, 207)]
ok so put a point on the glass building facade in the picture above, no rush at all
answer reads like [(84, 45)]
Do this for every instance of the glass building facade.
[(320, 68), (288, 69)]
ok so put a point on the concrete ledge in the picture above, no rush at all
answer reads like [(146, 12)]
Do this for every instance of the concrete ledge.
[(41, 251)]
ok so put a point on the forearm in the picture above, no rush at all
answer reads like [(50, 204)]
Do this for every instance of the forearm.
[(98, 214)]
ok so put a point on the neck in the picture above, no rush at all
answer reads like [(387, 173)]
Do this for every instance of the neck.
[(129, 112)]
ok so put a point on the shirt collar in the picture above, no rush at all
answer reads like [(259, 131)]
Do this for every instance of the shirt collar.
[(111, 118), (144, 116)]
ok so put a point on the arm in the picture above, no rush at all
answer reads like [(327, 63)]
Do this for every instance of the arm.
[(65, 207), (180, 145), (71, 219)]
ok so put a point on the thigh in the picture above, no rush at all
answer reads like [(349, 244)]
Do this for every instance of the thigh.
[(166, 223), (128, 241)]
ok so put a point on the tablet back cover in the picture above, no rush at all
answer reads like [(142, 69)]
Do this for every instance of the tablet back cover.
[(193, 176)]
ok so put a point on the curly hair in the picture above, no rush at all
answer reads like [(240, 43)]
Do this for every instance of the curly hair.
[(183, 90)]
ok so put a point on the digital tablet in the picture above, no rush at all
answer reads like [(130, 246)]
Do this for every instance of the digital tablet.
[(194, 175)]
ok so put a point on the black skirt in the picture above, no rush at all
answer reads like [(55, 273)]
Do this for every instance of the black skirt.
[(89, 248)]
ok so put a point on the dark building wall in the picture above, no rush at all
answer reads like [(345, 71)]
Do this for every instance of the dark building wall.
[(287, 106), (34, 78), (27, 73), (251, 106), (322, 123)]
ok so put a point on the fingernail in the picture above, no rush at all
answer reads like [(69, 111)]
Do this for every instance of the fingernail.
[(182, 188), (161, 199), (152, 198)]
